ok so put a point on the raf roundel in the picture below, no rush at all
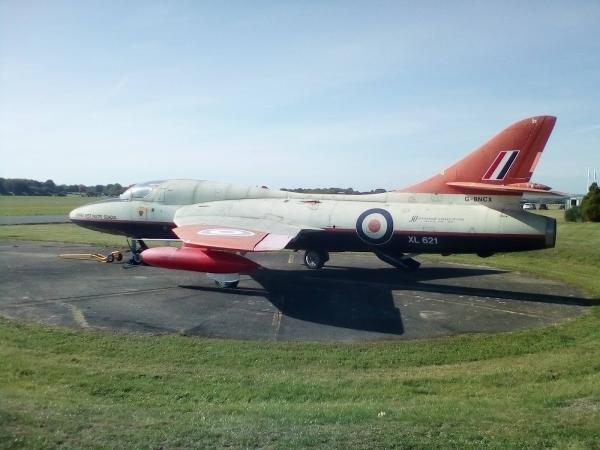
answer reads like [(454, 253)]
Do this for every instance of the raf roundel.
[(225, 232), (375, 226)]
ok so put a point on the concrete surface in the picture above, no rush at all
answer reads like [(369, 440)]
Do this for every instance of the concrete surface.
[(354, 298)]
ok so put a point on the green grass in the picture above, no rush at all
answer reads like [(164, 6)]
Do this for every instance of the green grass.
[(530, 389), (63, 232), (82, 389), (40, 206)]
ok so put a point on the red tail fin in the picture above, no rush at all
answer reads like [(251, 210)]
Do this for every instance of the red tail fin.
[(504, 164)]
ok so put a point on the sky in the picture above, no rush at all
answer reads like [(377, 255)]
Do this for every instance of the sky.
[(362, 94)]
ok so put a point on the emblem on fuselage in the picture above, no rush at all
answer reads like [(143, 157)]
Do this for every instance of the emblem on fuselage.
[(375, 226), (225, 232)]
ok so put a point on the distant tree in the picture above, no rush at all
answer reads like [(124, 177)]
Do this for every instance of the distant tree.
[(113, 190), (332, 190), (19, 187), (590, 205), (50, 186), (573, 214), (62, 190)]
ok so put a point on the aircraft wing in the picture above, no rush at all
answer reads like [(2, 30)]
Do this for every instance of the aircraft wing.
[(236, 233)]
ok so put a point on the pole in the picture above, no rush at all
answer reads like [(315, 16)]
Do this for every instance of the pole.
[(587, 188)]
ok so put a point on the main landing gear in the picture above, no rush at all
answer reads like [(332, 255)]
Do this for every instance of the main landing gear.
[(315, 259), (402, 261), (136, 247)]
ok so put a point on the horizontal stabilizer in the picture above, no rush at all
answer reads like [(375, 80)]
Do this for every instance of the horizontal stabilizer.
[(518, 188)]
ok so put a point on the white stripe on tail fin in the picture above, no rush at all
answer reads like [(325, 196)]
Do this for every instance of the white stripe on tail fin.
[(501, 165)]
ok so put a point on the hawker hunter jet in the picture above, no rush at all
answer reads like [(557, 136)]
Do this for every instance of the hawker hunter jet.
[(472, 206)]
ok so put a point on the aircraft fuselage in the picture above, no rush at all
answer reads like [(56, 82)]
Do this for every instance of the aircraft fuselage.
[(393, 222)]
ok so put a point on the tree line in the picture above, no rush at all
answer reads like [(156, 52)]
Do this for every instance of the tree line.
[(333, 190), (21, 186)]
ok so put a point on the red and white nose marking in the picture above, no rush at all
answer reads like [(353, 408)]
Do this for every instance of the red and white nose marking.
[(375, 226)]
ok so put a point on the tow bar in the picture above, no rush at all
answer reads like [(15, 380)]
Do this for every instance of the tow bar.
[(111, 257)]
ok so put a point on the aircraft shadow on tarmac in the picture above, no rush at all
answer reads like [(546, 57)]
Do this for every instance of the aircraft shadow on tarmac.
[(362, 299)]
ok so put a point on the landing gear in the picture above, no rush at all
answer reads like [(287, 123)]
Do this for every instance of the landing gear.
[(315, 259), (136, 247), (403, 262)]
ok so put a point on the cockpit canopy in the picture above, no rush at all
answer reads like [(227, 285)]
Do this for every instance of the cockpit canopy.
[(140, 191), (188, 192)]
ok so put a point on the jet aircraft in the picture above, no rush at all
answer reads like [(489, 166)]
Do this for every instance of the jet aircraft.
[(471, 207)]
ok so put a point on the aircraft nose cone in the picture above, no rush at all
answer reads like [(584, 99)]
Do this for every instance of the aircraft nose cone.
[(74, 214)]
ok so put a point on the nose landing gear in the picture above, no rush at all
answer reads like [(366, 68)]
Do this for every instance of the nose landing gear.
[(136, 247)]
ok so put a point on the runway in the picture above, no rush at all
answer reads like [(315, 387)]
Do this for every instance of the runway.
[(354, 298)]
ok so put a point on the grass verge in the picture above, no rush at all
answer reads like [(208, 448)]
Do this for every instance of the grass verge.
[(83, 389), (40, 205), (62, 232)]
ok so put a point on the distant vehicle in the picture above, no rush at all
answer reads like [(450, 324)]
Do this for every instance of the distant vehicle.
[(471, 207), (528, 206)]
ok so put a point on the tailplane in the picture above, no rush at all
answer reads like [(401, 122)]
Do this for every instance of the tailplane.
[(503, 165)]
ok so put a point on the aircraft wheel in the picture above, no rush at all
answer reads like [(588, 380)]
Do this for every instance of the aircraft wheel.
[(315, 259), (226, 284)]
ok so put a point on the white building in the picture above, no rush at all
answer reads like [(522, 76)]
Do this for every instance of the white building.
[(573, 201)]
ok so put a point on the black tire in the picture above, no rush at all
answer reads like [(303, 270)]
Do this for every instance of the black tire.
[(315, 259), (110, 258), (226, 284), (119, 256)]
